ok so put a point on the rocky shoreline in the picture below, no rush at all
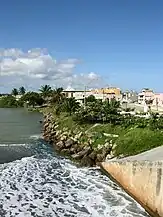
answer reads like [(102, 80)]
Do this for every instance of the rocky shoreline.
[(69, 143)]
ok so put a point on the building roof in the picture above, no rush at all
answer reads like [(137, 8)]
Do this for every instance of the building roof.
[(69, 88)]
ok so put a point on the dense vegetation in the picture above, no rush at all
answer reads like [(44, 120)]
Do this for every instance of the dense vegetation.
[(135, 134)]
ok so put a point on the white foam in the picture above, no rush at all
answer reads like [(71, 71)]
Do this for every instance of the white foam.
[(55, 187), (9, 145), (36, 136)]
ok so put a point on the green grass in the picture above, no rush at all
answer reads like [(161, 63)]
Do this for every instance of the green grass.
[(108, 128), (138, 140), (66, 121), (131, 141)]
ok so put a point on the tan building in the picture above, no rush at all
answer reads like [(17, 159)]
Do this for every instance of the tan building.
[(110, 92), (101, 94)]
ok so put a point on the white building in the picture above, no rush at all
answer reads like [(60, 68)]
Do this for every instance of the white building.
[(145, 95)]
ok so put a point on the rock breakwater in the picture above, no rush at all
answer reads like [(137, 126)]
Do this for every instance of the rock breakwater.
[(77, 145)]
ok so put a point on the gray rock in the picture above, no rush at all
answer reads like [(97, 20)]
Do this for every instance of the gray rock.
[(46, 125), (100, 158), (87, 161), (82, 153), (63, 138), (69, 143), (72, 150), (60, 144), (93, 155)]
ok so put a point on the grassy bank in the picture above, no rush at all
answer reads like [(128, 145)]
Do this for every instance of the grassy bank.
[(128, 140)]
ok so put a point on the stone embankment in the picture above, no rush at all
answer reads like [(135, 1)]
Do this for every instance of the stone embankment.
[(78, 146), (142, 177)]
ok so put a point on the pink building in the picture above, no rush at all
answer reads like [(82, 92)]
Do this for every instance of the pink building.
[(158, 99)]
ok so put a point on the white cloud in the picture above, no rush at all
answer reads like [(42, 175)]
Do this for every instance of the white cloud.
[(37, 66)]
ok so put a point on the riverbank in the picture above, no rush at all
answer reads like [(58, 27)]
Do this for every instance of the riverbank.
[(100, 144), (90, 144), (76, 142)]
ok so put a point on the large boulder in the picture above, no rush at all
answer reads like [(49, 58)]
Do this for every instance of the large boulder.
[(100, 158), (82, 153), (60, 144), (87, 161), (69, 143), (93, 155), (46, 124)]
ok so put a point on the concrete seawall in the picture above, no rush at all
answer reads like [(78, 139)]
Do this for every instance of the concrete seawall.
[(142, 179)]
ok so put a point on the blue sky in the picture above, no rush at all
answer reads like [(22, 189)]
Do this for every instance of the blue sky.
[(119, 41)]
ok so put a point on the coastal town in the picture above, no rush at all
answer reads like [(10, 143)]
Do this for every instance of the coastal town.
[(130, 98), (142, 101)]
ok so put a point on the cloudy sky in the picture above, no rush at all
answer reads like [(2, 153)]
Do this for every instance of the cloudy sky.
[(37, 67), (93, 43)]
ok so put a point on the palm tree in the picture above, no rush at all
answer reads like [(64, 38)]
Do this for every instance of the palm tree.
[(22, 90), (14, 92), (57, 96), (71, 105), (45, 90)]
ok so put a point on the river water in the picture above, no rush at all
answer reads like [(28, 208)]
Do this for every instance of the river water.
[(35, 181)]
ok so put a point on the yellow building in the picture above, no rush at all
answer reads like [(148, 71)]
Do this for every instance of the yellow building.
[(109, 90)]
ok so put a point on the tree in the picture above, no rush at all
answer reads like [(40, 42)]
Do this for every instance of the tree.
[(90, 98), (98, 111), (70, 105), (22, 90), (32, 98), (45, 90), (57, 96), (8, 102), (14, 92)]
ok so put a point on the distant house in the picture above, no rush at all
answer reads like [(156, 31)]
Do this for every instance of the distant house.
[(79, 95), (109, 92), (158, 100), (130, 96), (145, 95)]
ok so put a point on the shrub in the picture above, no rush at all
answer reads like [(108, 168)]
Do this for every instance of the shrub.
[(8, 102)]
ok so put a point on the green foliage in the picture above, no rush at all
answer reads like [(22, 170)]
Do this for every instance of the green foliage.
[(9, 102), (22, 90), (32, 98), (45, 90), (14, 92), (138, 140), (70, 105), (156, 122), (90, 98), (98, 111), (57, 96), (129, 109)]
